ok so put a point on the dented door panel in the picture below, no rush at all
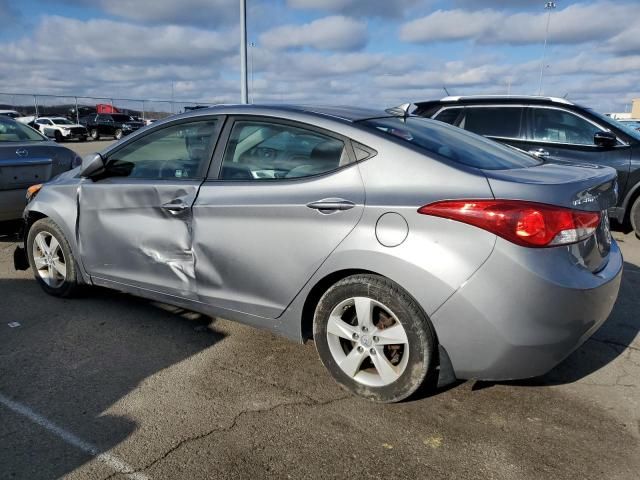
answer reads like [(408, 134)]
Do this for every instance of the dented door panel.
[(138, 232)]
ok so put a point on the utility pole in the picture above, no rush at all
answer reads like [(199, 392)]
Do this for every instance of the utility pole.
[(549, 6), (243, 52)]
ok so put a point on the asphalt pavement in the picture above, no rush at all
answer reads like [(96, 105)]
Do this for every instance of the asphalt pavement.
[(112, 386)]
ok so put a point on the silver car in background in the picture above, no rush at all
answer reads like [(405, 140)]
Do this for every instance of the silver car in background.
[(406, 248), (26, 158)]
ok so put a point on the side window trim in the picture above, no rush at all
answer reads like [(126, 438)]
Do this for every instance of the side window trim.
[(202, 174), (215, 170), (457, 119)]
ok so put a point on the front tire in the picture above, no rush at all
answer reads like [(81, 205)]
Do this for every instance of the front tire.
[(373, 338), (58, 136), (118, 134), (51, 259), (94, 134), (634, 216)]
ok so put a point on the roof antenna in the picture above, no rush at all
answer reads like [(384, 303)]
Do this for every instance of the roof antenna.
[(446, 91), (565, 95)]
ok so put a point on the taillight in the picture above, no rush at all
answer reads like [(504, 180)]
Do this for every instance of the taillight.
[(525, 223)]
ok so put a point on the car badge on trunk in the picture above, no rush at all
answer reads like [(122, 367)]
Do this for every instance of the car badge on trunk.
[(21, 152)]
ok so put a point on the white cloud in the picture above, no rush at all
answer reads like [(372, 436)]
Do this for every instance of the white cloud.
[(328, 33), (386, 8), (577, 23)]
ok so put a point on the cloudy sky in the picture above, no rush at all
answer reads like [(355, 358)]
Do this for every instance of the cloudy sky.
[(365, 52)]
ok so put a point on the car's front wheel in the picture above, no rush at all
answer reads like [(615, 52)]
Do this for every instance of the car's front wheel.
[(94, 134), (58, 136), (118, 134), (51, 259), (373, 338)]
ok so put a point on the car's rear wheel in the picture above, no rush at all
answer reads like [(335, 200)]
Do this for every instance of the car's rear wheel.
[(634, 217), (118, 134), (94, 134), (58, 136), (83, 138), (373, 338), (51, 259)]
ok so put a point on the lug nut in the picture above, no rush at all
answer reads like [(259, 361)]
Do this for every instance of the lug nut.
[(376, 339), (360, 349), (372, 351), (356, 336), (364, 329)]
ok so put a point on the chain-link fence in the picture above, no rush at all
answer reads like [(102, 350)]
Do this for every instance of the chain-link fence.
[(75, 107)]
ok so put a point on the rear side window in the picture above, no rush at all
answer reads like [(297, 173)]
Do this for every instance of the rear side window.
[(452, 143), (448, 115), (267, 151), (494, 121)]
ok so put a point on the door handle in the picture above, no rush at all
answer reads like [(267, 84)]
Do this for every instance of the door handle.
[(175, 206), (329, 205), (540, 152)]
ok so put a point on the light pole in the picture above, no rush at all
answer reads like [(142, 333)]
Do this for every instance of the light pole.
[(243, 52), (251, 45), (548, 6)]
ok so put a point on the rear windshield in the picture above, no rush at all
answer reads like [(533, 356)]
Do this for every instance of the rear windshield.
[(12, 131), (453, 143)]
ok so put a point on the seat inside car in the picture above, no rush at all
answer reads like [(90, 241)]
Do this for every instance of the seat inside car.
[(324, 157)]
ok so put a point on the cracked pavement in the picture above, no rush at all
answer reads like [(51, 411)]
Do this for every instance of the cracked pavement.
[(178, 395)]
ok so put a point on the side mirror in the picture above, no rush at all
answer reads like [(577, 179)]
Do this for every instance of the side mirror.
[(92, 165), (605, 139)]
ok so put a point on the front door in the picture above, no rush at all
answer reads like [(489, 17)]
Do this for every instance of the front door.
[(285, 196), (135, 222)]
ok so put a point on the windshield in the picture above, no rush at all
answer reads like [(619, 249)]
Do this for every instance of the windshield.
[(453, 143), (12, 131), (628, 129), (61, 121), (122, 118)]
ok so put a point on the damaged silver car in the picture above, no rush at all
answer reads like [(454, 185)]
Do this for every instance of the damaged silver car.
[(412, 252)]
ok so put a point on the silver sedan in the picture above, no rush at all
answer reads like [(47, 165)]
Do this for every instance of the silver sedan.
[(409, 250), (26, 158)]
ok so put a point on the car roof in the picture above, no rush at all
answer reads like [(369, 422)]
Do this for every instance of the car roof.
[(346, 114)]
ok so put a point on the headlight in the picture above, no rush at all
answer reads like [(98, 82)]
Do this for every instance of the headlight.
[(65, 131), (32, 191), (126, 127)]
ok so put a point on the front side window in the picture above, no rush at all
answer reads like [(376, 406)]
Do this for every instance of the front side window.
[(268, 151), (12, 131), (175, 152), (557, 126), (62, 121), (503, 122)]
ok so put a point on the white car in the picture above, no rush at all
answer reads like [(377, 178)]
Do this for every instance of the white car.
[(61, 129), (10, 113)]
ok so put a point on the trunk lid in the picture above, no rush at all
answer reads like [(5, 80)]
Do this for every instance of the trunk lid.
[(579, 187), (25, 164)]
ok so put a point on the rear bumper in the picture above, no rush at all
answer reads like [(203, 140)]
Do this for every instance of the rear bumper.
[(12, 203), (525, 311)]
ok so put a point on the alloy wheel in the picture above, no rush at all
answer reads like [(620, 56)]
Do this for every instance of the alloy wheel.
[(49, 259), (367, 341)]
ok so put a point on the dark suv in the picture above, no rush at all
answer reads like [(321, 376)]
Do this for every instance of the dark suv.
[(553, 129), (115, 125)]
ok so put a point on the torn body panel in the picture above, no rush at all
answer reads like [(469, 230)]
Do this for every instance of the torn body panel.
[(138, 232)]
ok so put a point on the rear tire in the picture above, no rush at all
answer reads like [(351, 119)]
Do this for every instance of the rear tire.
[(83, 138), (118, 134), (634, 216), (94, 134), (373, 338), (51, 259)]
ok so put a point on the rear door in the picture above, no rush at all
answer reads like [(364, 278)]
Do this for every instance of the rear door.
[(556, 134), (286, 194), (502, 123), (135, 222)]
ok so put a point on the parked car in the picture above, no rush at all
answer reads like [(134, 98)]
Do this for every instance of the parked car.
[(61, 129), (26, 158), (10, 113), (405, 247), (553, 129), (635, 124), (111, 124)]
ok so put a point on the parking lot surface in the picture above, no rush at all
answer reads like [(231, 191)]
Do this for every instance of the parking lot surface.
[(113, 386)]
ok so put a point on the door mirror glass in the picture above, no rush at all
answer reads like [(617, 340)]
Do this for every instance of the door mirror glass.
[(605, 139), (92, 165)]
